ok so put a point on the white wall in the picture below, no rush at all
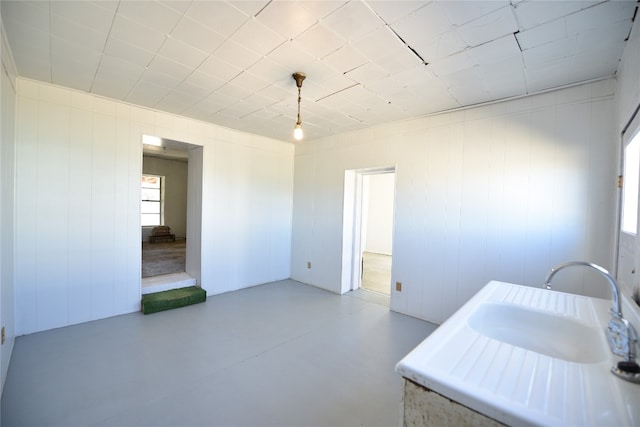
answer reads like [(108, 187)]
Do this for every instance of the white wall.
[(7, 203), (79, 160), (379, 216), (175, 192), (502, 192)]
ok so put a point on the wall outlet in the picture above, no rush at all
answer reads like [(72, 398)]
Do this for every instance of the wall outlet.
[(3, 336), (399, 286), (308, 264)]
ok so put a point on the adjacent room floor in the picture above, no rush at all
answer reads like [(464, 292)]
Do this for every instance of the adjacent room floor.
[(163, 258), (376, 272), (280, 354)]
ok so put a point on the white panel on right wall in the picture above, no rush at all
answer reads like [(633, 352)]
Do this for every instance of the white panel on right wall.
[(501, 192)]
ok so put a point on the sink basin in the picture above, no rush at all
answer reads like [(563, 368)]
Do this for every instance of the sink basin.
[(539, 331)]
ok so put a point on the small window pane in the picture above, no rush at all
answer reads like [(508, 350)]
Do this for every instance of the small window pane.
[(149, 181), (151, 194), (630, 186), (150, 207), (150, 219)]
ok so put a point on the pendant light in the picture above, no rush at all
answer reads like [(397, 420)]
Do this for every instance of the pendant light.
[(297, 131)]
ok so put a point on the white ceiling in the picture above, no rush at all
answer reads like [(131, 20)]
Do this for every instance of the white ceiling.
[(367, 61)]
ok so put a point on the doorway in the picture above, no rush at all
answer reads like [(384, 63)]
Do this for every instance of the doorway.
[(368, 230), (628, 223), (171, 195)]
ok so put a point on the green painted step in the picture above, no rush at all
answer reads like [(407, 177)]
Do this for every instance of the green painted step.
[(175, 298)]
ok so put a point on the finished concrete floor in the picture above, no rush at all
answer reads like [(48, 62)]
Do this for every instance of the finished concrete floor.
[(280, 354)]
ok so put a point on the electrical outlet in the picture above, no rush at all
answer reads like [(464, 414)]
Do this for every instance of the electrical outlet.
[(399, 286), (3, 336), (308, 264)]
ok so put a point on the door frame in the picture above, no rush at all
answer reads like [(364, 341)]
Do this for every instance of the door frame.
[(352, 225), (193, 256), (627, 246)]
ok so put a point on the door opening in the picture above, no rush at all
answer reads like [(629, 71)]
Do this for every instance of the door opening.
[(628, 250), (369, 201), (170, 214)]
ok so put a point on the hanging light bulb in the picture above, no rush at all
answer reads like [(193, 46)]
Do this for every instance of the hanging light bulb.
[(298, 134)]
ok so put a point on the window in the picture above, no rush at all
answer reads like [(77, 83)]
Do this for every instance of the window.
[(631, 185), (151, 205)]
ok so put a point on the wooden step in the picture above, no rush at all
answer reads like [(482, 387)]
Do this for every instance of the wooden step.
[(175, 298)]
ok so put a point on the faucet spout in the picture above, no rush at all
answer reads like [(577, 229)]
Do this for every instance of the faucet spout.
[(616, 310)]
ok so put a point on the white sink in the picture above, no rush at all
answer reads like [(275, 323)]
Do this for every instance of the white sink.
[(556, 336), (528, 357)]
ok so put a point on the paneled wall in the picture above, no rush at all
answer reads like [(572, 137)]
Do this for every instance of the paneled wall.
[(79, 160), (504, 192), (7, 202)]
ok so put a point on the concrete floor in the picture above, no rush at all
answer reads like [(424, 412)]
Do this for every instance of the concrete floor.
[(280, 354)]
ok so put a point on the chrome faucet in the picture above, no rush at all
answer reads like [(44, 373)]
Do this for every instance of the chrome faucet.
[(616, 311), (621, 334)]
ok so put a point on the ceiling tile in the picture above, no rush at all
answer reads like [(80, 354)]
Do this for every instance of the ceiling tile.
[(322, 8), (180, 6), (398, 60), (287, 18), (496, 50), (423, 25), (181, 53), (550, 52), (111, 87), (250, 82), (391, 11), (530, 14), (542, 34), (353, 20), (249, 7), (488, 27), (345, 59), (461, 12), (219, 68), (235, 54), (292, 56), (146, 94), (164, 18), (128, 52), (258, 38), (31, 13), (218, 16), (206, 82), (89, 15), (159, 79), (542, 77), (320, 41), (601, 15), (116, 66), (197, 35), (378, 44), (169, 67), (196, 91), (367, 73), (234, 91), (275, 93), (270, 71), (451, 64), (443, 45), (131, 32)]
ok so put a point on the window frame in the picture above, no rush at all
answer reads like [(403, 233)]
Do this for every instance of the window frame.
[(160, 188)]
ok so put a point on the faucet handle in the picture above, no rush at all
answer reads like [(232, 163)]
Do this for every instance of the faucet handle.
[(619, 333)]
